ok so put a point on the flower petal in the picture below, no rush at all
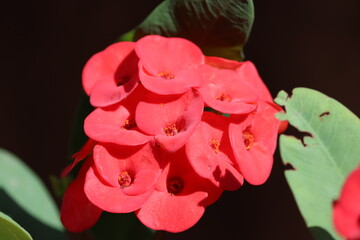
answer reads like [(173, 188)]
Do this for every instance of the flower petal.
[(77, 212), (110, 75), (117, 124), (171, 118), (180, 83), (160, 54), (225, 91), (170, 213), (112, 199), (180, 197), (255, 160), (210, 153), (346, 213), (141, 163), (107, 92)]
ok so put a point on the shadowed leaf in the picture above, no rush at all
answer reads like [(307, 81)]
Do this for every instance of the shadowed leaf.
[(25, 198), (219, 27)]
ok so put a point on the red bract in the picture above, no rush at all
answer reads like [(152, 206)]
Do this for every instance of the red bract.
[(122, 178), (180, 197), (111, 75), (346, 213), (170, 118), (225, 91), (77, 212), (247, 72), (85, 151), (168, 65), (116, 124), (157, 152), (141, 164), (253, 139), (210, 153)]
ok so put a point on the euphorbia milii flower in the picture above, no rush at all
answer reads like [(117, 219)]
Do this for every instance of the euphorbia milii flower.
[(117, 124), (123, 177), (247, 72), (224, 90), (168, 65), (180, 197), (170, 118), (77, 212), (111, 75), (253, 139), (210, 153), (346, 213)]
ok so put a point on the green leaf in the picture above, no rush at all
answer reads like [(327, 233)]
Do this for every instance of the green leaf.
[(323, 158), (10, 230), (218, 27), (121, 226), (128, 36), (59, 185), (25, 198)]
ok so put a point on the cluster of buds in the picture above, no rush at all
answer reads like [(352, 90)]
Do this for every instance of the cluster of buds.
[(171, 130)]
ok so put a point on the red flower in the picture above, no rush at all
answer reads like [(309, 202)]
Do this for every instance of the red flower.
[(77, 212), (346, 212), (170, 118), (224, 90), (158, 153), (111, 75), (253, 139), (122, 178), (168, 65), (180, 197), (246, 71), (210, 154), (116, 124)]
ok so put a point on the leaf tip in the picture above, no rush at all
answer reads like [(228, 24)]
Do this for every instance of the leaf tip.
[(281, 98)]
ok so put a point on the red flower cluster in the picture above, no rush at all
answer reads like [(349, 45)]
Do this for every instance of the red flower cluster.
[(346, 213), (153, 149)]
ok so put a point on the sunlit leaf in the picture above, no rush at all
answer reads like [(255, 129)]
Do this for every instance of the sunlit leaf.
[(323, 158), (10, 230)]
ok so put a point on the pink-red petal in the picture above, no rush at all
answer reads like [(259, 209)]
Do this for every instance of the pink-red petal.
[(177, 208), (85, 151), (112, 199), (141, 163), (160, 54), (106, 92), (77, 212), (168, 65), (111, 75), (109, 126), (171, 213), (117, 124), (176, 84), (210, 153), (255, 161), (225, 91), (346, 212), (171, 118), (248, 72)]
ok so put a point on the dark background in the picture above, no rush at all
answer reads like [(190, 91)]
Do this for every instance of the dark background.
[(45, 44)]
